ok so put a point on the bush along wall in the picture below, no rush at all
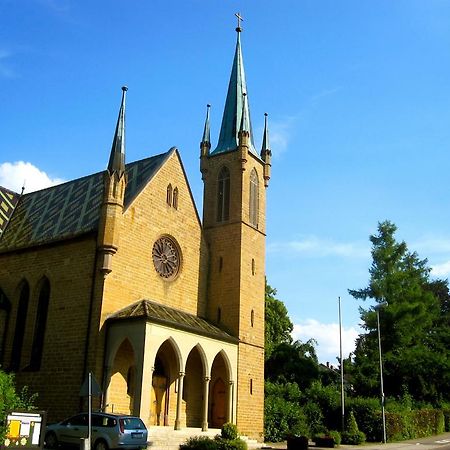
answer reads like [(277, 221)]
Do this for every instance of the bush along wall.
[(414, 424)]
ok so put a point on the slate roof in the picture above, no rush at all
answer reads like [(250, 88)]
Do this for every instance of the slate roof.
[(165, 315), (69, 209), (8, 201)]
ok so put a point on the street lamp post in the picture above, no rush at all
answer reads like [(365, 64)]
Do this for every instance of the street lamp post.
[(381, 371), (342, 368)]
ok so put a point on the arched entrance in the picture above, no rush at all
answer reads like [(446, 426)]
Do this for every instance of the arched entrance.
[(163, 396), (123, 381), (193, 388), (220, 393), (160, 394)]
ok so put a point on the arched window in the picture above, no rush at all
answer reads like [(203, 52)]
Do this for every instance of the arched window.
[(169, 195), (219, 314), (19, 332), (175, 198), (254, 198), (223, 195), (252, 318), (40, 324)]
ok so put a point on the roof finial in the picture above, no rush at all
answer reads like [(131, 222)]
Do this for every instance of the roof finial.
[(239, 18)]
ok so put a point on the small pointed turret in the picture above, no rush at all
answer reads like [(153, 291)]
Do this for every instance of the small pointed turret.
[(235, 110), (117, 157), (266, 153), (205, 144)]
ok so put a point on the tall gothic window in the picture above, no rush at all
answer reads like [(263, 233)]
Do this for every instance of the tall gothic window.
[(40, 324), (175, 198), (19, 332), (223, 195), (254, 198), (169, 195)]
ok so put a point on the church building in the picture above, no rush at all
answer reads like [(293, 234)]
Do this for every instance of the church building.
[(116, 274)]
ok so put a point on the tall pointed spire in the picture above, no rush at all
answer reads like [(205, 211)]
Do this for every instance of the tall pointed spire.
[(265, 143), (206, 139), (117, 156), (235, 106)]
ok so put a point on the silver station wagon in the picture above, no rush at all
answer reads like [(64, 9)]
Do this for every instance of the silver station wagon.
[(109, 431)]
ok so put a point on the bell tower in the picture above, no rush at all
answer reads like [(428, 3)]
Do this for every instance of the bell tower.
[(235, 177)]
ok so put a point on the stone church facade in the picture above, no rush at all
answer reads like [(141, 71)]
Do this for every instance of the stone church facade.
[(117, 274)]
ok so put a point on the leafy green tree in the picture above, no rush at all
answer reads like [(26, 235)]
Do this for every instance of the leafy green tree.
[(278, 325), (11, 399), (409, 310)]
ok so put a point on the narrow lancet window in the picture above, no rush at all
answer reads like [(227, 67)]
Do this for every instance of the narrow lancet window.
[(175, 198), (19, 332), (254, 199), (169, 195), (223, 195), (40, 325)]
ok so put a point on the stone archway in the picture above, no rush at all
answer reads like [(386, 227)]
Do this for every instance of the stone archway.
[(122, 383), (193, 387), (164, 379), (220, 397)]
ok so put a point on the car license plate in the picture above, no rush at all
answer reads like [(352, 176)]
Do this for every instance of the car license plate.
[(136, 435)]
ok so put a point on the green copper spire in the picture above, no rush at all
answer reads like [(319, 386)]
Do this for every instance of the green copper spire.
[(117, 157), (236, 109)]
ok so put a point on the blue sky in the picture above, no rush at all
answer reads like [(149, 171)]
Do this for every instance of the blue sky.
[(357, 92)]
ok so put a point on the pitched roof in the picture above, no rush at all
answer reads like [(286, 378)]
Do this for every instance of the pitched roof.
[(70, 209), (8, 202), (165, 315)]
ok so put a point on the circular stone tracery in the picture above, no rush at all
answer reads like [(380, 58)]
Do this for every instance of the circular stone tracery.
[(166, 257)]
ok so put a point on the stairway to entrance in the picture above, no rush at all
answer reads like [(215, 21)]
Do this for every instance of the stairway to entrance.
[(166, 438)]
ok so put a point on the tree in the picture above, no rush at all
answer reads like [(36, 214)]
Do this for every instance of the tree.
[(278, 325), (409, 308), (11, 399)]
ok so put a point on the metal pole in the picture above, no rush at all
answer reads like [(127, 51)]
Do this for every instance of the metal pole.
[(342, 368), (381, 376), (88, 446)]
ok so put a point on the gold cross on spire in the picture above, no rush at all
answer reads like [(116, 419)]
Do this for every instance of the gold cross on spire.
[(239, 18)]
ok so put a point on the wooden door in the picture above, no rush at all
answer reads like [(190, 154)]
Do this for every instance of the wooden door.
[(219, 404), (159, 400)]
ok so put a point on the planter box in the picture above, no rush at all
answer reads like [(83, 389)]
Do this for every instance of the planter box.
[(326, 442), (297, 443)]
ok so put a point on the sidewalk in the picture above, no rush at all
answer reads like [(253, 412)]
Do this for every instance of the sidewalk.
[(441, 441)]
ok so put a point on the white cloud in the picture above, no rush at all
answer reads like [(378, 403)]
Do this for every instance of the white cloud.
[(325, 93), (327, 337), (14, 175), (441, 270), (315, 246)]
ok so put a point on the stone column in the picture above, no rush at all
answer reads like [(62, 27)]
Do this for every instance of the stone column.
[(230, 402), (205, 403), (179, 400), (106, 383)]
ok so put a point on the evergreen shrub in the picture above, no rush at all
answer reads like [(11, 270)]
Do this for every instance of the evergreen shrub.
[(352, 435), (229, 431), (367, 413)]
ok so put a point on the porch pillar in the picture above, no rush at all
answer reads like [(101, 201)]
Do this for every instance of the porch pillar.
[(106, 382), (205, 403), (145, 400), (179, 400), (231, 402)]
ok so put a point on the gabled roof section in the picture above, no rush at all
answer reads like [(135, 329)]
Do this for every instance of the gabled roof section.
[(236, 109), (8, 203), (165, 315), (70, 209)]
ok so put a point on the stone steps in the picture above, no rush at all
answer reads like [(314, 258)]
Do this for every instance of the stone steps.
[(166, 438)]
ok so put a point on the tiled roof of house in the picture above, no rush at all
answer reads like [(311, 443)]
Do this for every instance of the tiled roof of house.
[(69, 209), (165, 315)]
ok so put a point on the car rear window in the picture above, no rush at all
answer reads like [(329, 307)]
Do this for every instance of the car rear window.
[(133, 423)]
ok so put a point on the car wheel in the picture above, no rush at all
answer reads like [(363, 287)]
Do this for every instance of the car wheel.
[(51, 441), (101, 445)]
